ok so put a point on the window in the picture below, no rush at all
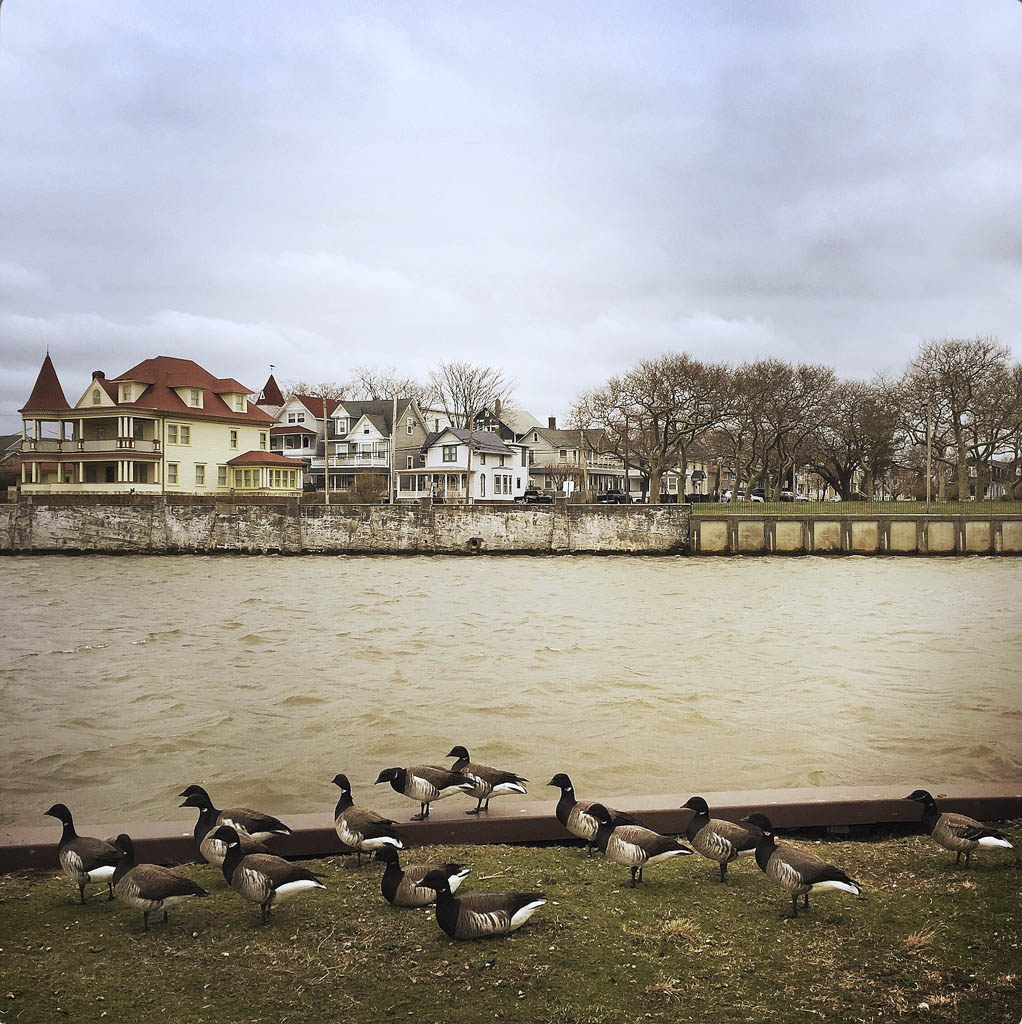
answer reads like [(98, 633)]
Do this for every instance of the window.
[(171, 472), (482, 485), (234, 439), (171, 433), (262, 439), (186, 434), (524, 450), (126, 394), (179, 433), (535, 436), (221, 476), (482, 458), (409, 425), (518, 483), (239, 403), (502, 459), (563, 454), (274, 444), (200, 474), (96, 397), (365, 430), (196, 398), (409, 462), (450, 453), (296, 417)]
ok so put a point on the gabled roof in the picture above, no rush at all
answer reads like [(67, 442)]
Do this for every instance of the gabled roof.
[(380, 411), (290, 428), (594, 436), (164, 373), (516, 420), (271, 393), (264, 459), (47, 395), (315, 404), (480, 440)]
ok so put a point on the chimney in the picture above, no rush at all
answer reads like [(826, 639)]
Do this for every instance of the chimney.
[(98, 375), (551, 422), (497, 407)]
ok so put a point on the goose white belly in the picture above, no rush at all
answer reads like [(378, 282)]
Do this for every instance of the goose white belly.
[(291, 889), (990, 842), (519, 917)]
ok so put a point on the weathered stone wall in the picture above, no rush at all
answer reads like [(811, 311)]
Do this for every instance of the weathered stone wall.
[(157, 526), (869, 535)]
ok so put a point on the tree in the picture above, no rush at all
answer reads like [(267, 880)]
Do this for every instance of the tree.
[(958, 377), (325, 389), (367, 489), (371, 385), (462, 390)]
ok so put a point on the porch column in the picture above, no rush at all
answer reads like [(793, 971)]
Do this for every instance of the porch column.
[(60, 472), (131, 471), (81, 472), (35, 472)]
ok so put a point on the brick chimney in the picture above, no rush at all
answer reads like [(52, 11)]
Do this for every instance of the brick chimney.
[(497, 407), (98, 375), (551, 422)]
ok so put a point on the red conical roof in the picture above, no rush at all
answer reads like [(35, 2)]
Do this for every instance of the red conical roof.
[(270, 395), (47, 395)]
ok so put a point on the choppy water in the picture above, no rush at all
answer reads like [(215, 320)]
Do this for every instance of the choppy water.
[(124, 679)]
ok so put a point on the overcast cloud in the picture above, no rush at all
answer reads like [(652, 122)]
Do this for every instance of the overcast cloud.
[(561, 189)]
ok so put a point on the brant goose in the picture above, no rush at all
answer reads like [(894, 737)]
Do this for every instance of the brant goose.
[(84, 859), (480, 915), (575, 815), (262, 877), (149, 887), (716, 839), (798, 871), (252, 826), (957, 832), (633, 845), (488, 781), (359, 829), (425, 783), (405, 888)]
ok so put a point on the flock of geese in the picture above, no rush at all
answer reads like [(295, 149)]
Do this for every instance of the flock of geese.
[(234, 839)]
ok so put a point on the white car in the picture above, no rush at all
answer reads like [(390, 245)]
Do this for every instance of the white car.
[(729, 496)]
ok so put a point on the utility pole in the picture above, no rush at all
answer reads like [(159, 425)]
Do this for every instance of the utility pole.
[(326, 459), (929, 443), (393, 441)]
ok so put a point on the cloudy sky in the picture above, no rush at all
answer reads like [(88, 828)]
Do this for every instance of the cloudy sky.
[(561, 188)]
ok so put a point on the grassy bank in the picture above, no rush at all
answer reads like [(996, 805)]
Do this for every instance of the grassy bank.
[(680, 948)]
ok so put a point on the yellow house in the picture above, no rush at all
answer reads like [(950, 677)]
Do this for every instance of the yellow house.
[(166, 426)]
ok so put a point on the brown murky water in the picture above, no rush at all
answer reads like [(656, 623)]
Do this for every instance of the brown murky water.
[(124, 679)]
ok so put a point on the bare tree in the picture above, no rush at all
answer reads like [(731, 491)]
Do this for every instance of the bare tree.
[(957, 376), (371, 385), (462, 390), (325, 389)]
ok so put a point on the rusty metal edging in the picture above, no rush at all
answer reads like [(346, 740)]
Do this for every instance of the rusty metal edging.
[(314, 836)]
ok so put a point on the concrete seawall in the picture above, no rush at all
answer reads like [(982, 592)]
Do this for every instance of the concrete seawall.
[(973, 534), (155, 525), (839, 808), (158, 526)]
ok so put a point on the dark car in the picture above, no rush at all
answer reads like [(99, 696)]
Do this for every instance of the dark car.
[(787, 495), (531, 496), (612, 496)]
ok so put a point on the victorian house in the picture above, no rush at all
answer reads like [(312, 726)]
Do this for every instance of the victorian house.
[(459, 465), (164, 426)]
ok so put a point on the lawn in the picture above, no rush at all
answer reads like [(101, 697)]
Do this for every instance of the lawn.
[(926, 942)]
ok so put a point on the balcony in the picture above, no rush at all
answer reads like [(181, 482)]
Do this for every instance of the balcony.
[(70, 447), (367, 461)]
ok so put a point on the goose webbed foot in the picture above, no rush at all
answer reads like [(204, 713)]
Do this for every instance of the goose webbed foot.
[(475, 810)]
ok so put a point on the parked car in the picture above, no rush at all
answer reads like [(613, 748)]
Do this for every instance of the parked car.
[(787, 496), (802, 497), (532, 496), (757, 494), (737, 496), (612, 496)]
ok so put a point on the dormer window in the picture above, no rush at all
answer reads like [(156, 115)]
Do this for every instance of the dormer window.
[(127, 393), (195, 398), (239, 403)]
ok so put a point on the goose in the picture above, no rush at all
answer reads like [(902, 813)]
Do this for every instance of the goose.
[(489, 782), (262, 877), (405, 888), (149, 887), (480, 915), (359, 829), (425, 783), (633, 845), (574, 814), (83, 858), (798, 871), (253, 827), (719, 840), (957, 832)]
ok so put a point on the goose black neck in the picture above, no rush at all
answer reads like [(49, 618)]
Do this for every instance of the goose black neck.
[(459, 765), (399, 781), (232, 859), (765, 850), (124, 865), (565, 803), (930, 815), (206, 821), (344, 801), (68, 832)]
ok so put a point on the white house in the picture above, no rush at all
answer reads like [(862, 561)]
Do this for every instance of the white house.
[(467, 465)]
